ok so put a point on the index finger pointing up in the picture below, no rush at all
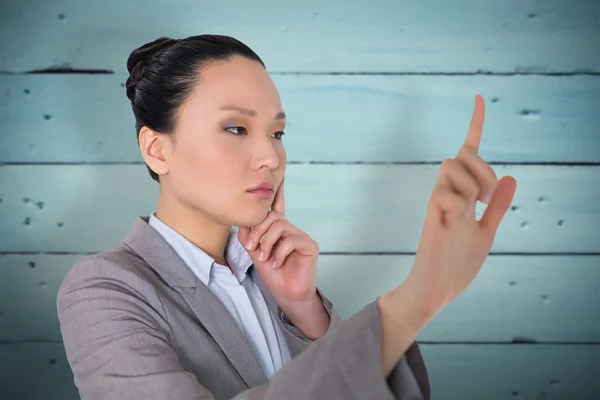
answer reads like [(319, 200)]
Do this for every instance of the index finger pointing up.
[(475, 129), (279, 200)]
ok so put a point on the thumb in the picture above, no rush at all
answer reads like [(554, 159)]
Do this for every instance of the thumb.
[(501, 200)]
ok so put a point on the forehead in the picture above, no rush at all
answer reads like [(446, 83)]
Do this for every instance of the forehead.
[(237, 81)]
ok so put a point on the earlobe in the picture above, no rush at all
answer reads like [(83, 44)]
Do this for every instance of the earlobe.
[(152, 148)]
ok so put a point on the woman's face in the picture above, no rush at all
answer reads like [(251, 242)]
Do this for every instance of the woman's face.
[(228, 140)]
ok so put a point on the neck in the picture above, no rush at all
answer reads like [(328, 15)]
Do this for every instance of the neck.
[(204, 232)]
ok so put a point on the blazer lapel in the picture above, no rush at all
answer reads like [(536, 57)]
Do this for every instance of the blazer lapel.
[(213, 315), (225, 331)]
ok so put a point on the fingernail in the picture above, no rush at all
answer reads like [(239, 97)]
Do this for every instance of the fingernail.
[(261, 256), (274, 264), (249, 244)]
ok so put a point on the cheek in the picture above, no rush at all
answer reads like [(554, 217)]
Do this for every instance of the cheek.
[(189, 165), (206, 173)]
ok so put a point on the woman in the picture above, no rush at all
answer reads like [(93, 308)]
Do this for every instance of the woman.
[(188, 308)]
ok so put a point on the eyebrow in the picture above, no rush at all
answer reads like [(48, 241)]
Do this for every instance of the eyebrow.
[(248, 112)]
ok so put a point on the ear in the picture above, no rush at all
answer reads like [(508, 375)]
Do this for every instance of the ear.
[(155, 148)]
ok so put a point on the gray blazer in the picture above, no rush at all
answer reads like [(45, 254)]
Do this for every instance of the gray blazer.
[(137, 324)]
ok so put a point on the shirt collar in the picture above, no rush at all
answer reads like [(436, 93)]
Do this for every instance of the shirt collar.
[(199, 261)]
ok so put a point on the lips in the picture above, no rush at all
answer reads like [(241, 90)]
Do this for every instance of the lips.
[(262, 186)]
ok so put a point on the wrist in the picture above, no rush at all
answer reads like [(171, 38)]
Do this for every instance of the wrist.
[(309, 316), (402, 308), (298, 308)]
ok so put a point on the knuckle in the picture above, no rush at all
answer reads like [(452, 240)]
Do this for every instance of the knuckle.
[(462, 154), (271, 216), (447, 163), (439, 192), (466, 151), (468, 182), (439, 196), (474, 188), (278, 223)]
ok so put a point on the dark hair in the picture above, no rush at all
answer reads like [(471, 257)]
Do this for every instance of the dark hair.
[(164, 73)]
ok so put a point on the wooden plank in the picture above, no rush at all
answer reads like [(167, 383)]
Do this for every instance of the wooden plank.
[(28, 288), (334, 36), (493, 372), (363, 118), (35, 371), (514, 298), (346, 208), (520, 298), (513, 371)]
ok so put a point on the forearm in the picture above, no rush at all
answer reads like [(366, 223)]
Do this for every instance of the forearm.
[(401, 322), (310, 316)]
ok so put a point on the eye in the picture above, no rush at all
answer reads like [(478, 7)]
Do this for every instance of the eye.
[(279, 133), (235, 127)]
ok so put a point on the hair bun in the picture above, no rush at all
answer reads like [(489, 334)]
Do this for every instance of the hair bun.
[(140, 58)]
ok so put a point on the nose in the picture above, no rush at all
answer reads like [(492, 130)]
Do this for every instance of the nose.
[(268, 154)]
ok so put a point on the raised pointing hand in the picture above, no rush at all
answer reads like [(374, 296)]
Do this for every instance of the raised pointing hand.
[(454, 244)]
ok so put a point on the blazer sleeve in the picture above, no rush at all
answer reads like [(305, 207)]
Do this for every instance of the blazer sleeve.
[(115, 338), (298, 341), (407, 372)]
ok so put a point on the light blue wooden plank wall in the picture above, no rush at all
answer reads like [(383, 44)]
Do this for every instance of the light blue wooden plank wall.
[(377, 94)]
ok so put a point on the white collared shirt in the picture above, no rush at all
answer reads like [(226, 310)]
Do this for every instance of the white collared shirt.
[(237, 291)]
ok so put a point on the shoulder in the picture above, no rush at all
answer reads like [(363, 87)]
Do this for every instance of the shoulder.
[(119, 268)]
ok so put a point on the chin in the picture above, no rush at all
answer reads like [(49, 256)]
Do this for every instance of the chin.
[(252, 217)]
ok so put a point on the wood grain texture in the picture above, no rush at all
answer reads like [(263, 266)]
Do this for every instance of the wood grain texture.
[(389, 83), (346, 208), (514, 298), (315, 36), (369, 118), (456, 372)]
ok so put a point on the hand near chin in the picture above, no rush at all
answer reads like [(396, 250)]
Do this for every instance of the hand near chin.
[(286, 258)]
